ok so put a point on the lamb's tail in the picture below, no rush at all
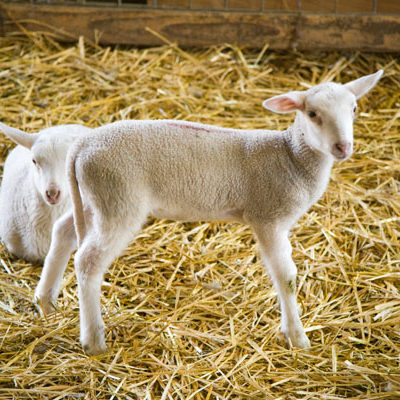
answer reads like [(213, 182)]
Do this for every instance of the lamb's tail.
[(76, 198)]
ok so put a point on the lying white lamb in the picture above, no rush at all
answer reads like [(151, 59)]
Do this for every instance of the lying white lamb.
[(34, 191), (130, 170)]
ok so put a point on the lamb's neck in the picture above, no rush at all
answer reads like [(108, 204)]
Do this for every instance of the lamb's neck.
[(314, 165)]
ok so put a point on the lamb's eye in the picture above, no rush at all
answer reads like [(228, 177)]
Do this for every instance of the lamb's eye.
[(354, 109), (312, 114), (34, 161)]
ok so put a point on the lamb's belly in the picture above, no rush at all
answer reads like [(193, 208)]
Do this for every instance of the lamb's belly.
[(192, 215)]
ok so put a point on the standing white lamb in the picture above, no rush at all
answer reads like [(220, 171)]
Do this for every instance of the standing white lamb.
[(130, 170), (34, 188)]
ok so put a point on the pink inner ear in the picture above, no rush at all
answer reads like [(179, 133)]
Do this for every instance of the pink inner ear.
[(282, 104), (286, 104)]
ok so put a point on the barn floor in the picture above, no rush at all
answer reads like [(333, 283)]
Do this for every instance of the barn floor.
[(189, 311)]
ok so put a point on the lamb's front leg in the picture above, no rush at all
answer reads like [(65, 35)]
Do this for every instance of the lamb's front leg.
[(99, 248), (63, 243), (276, 252)]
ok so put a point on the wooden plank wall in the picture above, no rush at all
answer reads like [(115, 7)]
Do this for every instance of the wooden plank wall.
[(281, 29), (334, 6)]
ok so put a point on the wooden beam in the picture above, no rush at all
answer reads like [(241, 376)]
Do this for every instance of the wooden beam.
[(112, 25)]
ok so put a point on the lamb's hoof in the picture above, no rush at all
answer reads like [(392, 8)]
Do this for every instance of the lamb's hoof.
[(95, 350), (44, 303), (298, 339), (95, 344)]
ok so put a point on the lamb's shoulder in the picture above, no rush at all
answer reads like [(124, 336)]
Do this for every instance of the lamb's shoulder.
[(280, 184), (15, 183)]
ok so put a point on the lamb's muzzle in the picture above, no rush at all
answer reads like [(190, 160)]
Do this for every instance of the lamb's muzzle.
[(53, 194), (342, 150)]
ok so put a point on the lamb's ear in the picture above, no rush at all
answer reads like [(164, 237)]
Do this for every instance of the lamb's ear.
[(285, 103), (18, 136), (363, 85)]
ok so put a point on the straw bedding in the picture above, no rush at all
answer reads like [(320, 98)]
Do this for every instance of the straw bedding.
[(190, 312)]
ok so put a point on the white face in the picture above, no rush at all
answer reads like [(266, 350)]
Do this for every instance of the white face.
[(48, 150), (48, 165), (328, 115)]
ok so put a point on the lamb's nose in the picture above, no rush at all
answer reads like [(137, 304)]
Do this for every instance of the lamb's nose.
[(343, 149), (53, 194)]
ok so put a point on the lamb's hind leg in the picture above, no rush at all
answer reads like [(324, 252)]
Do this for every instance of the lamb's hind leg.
[(63, 243), (99, 248), (276, 252)]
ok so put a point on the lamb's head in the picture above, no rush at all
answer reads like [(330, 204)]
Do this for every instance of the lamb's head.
[(48, 150), (325, 113)]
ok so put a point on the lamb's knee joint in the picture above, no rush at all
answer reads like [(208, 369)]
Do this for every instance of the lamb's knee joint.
[(291, 285), (86, 262)]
